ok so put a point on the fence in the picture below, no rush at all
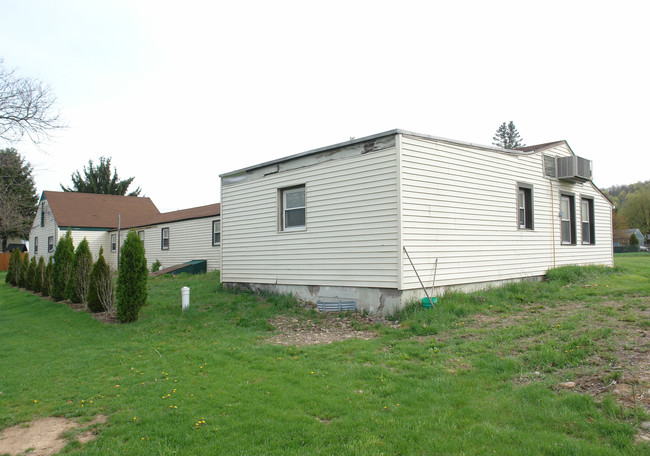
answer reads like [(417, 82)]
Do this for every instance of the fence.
[(4, 260), (629, 248)]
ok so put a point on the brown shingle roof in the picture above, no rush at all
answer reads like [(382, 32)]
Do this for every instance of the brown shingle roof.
[(87, 210), (210, 210)]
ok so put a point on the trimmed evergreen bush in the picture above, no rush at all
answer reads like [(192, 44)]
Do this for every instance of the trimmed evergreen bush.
[(63, 260), (22, 274), (37, 284), (31, 272), (14, 267), (132, 279), (77, 287), (101, 293), (155, 266), (46, 288)]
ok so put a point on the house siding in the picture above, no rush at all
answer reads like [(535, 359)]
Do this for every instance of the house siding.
[(459, 204), (351, 235), (188, 240)]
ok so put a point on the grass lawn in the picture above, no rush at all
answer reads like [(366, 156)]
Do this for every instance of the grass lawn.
[(477, 375)]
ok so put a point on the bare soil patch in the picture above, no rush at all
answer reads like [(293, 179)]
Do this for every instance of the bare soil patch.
[(327, 328), (44, 436)]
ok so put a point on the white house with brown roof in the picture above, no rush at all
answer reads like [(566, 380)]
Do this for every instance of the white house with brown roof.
[(97, 218), (337, 222)]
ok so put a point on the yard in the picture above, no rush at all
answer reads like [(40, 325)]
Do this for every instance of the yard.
[(559, 368)]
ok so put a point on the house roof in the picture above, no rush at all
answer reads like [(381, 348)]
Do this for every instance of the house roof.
[(211, 210), (519, 151), (88, 210)]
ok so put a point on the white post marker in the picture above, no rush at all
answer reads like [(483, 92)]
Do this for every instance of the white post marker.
[(185, 298)]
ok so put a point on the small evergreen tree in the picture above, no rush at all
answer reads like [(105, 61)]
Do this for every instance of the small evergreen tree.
[(132, 279), (77, 287), (101, 292), (634, 240), (507, 136), (22, 274), (14, 268), (63, 260), (37, 284), (31, 273), (46, 289)]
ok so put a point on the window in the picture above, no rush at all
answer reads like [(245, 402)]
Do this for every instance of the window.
[(292, 208), (567, 215), (216, 232), (113, 242), (525, 207), (587, 221), (42, 216), (164, 239), (50, 244), (35, 245), (141, 235)]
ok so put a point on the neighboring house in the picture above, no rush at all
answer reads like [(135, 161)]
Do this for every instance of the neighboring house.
[(333, 223), (97, 217), (622, 237)]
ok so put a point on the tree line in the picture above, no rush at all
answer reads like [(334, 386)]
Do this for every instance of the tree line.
[(71, 274), (632, 206)]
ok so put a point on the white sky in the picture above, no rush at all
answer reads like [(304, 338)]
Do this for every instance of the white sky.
[(180, 92)]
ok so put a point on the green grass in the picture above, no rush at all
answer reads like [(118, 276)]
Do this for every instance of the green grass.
[(474, 375)]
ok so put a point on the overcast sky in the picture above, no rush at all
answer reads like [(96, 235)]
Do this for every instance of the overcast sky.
[(180, 92)]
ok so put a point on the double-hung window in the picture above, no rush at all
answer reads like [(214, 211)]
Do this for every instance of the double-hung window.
[(587, 221), (141, 235), (35, 245), (216, 232), (524, 207), (113, 242), (50, 244), (568, 219), (164, 239), (293, 208)]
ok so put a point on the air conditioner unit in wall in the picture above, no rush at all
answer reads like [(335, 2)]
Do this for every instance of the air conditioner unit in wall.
[(574, 168)]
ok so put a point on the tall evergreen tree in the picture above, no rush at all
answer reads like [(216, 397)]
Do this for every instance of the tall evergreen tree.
[(98, 179), (507, 136), (63, 259), (77, 287), (18, 197), (132, 279)]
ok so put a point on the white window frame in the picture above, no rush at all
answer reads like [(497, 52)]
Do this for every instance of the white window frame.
[(216, 232), (567, 209), (589, 213), (283, 209), (50, 244), (141, 235), (525, 204), (163, 238), (113, 242), (35, 245)]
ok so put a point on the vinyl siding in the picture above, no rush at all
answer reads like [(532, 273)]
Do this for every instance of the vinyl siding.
[(188, 240), (351, 225), (459, 204)]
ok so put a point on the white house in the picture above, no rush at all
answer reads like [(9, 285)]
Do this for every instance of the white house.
[(335, 222), (171, 238)]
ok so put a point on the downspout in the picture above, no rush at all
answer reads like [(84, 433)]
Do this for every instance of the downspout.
[(118, 241), (553, 219)]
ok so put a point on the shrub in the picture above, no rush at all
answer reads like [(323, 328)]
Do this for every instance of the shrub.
[(132, 279), (634, 240), (13, 273), (77, 287), (155, 266), (22, 274), (101, 292), (37, 284), (63, 259), (31, 273), (46, 289)]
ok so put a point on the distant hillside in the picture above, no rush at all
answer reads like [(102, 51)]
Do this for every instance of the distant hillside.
[(619, 193)]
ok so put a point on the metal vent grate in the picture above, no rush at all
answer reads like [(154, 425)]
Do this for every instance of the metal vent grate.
[(336, 305)]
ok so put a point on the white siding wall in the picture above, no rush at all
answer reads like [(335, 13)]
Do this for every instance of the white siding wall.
[(188, 240), (352, 233), (459, 204)]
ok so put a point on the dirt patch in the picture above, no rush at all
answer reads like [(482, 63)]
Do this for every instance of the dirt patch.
[(44, 437), (327, 328)]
